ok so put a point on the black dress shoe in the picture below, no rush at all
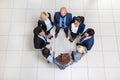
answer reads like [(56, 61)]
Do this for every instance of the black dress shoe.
[(78, 44), (70, 40), (51, 37), (47, 43), (56, 35)]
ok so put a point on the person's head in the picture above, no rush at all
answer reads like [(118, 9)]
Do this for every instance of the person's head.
[(63, 11), (81, 49), (64, 58), (77, 20), (89, 32), (82, 18), (44, 16), (45, 52), (39, 31)]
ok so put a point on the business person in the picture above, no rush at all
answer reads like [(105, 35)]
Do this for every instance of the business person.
[(45, 19), (62, 20), (79, 53), (77, 28), (40, 39), (87, 39)]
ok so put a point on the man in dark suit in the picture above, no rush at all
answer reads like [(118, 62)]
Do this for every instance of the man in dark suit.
[(62, 19), (87, 39), (40, 39)]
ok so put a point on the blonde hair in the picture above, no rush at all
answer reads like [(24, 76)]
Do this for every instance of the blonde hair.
[(81, 49), (44, 15)]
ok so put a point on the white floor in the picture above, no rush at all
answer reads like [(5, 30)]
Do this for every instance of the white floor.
[(20, 61)]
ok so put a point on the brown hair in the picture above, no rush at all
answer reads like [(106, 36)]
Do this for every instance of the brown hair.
[(90, 31), (46, 52), (82, 18), (64, 59)]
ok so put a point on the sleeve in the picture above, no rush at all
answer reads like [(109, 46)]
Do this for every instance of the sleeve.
[(73, 20), (42, 44), (35, 43), (50, 19), (82, 27), (55, 19), (42, 23), (90, 44), (50, 57), (38, 44), (70, 19), (70, 63)]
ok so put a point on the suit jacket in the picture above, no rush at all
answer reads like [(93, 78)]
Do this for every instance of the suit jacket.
[(88, 43), (57, 19), (43, 23), (38, 42)]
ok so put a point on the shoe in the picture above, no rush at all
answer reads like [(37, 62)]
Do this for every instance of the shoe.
[(78, 44), (70, 40), (48, 62), (51, 37), (47, 43), (56, 35), (66, 35)]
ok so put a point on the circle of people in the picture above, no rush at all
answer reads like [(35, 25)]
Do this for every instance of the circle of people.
[(63, 20)]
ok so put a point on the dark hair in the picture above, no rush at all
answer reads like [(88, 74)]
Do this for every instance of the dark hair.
[(90, 31), (82, 18), (45, 52), (78, 19), (37, 30), (63, 59)]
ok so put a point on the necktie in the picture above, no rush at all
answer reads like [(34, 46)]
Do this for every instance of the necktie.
[(45, 38), (62, 22)]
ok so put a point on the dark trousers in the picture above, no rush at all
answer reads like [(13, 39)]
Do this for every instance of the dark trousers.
[(48, 32), (58, 30), (73, 35)]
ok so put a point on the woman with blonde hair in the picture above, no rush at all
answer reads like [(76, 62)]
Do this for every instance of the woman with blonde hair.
[(46, 21), (79, 53)]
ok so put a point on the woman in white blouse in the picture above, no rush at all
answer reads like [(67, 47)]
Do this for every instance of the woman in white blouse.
[(77, 28)]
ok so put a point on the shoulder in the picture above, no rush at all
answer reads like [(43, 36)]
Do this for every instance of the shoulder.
[(69, 14), (40, 21), (82, 26), (57, 13), (91, 39)]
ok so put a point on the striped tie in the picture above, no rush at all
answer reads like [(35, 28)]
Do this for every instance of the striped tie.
[(62, 22)]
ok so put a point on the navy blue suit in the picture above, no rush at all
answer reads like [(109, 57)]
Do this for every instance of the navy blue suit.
[(57, 21), (87, 43), (39, 43)]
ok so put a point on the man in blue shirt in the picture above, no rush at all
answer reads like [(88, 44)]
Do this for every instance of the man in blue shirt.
[(62, 19)]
